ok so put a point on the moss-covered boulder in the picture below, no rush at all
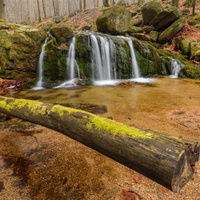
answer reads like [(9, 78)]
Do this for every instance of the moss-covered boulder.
[(141, 36), (166, 17), (134, 29), (172, 30), (136, 22), (114, 20), (185, 46), (150, 10), (190, 72), (154, 36), (62, 32), (19, 50), (195, 48), (194, 20), (133, 13)]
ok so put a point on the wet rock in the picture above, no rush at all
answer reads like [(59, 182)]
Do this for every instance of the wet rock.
[(190, 72), (172, 30), (166, 17), (115, 20), (150, 10)]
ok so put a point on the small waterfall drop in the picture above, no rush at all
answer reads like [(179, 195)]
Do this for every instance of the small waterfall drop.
[(175, 67), (135, 67), (41, 67), (103, 61), (72, 67)]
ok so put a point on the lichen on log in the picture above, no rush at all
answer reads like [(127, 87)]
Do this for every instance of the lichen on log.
[(168, 160)]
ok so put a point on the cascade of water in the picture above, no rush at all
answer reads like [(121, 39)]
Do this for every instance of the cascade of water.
[(176, 67), (97, 72), (72, 67), (135, 67), (41, 67), (105, 57), (113, 54)]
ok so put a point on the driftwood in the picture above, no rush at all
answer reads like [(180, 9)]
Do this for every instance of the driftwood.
[(165, 159)]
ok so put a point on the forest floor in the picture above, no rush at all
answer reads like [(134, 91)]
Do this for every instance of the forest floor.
[(28, 154)]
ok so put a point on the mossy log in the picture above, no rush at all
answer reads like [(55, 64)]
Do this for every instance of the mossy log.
[(165, 159)]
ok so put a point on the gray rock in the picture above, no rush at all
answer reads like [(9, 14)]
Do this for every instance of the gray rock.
[(154, 36), (150, 10), (114, 20), (141, 36), (166, 17), (172, 30), (136, 22)]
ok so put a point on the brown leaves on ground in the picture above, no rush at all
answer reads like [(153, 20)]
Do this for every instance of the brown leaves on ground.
[(129, 195), (12, 85)]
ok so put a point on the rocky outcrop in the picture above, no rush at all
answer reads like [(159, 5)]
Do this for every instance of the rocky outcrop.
[(150, 10), (172, 30), (114, 20), (62, 32), (166, 17), (19, 50)]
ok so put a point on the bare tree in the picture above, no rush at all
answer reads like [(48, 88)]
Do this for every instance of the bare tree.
[(39, 14), (194, 6), (1, 8), (105, 3), (175, 3)]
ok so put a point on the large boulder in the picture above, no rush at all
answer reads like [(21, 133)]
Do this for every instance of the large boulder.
[(185, 46), (166, 17), (150, 10), (172, 30), (195, 49), (62, 32), (19, 50), (114, 20)]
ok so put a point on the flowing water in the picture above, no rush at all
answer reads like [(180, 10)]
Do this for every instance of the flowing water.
[(72, 68), (175, 67), (143, 105), (41, 67)]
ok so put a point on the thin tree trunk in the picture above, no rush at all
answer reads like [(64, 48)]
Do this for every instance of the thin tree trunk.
[(175, 3), (193, 9), (165, 159)]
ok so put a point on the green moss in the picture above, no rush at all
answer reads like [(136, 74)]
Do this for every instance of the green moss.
[(190, 72)]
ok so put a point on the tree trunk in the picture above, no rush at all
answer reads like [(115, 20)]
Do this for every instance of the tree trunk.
[(175, 3), (193, 9), (1, 9), (105, 3), (165, 159)]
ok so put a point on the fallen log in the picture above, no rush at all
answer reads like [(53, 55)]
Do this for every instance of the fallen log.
[(165, 159)]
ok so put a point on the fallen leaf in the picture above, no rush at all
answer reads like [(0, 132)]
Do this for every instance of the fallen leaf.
[(129, 195), (137, 178)]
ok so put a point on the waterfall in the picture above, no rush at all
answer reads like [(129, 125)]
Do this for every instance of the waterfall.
[(135, 67), (41, 67), (71, 67), (103, 62), (175, 67)]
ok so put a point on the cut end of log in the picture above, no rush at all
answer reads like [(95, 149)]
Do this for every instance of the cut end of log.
[(185, 168)]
